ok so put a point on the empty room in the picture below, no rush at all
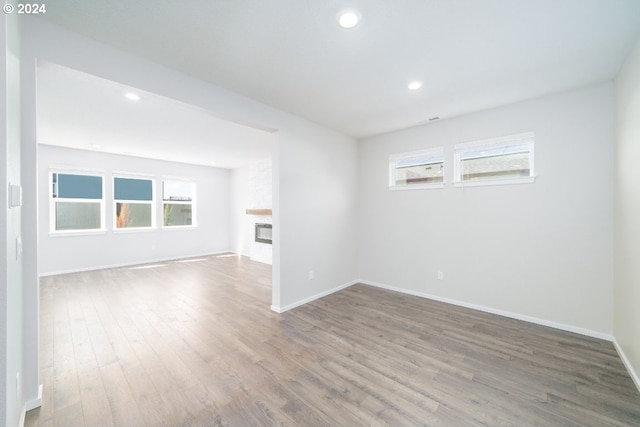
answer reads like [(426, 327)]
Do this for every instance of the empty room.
[(317, 213)]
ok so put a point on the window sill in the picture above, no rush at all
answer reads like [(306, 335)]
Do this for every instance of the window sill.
[(70, 233), (134, 230), (179, 227), (508, 181), (416, 187)]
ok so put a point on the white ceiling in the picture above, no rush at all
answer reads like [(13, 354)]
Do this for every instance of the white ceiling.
[(78, 110), (471, 54)]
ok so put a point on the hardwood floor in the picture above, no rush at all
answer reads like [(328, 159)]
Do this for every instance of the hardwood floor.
[(195, 343)]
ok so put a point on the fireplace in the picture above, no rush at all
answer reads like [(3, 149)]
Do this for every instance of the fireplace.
[(263, 233)]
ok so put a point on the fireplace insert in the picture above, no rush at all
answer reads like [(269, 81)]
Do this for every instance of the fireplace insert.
[(263, 233)]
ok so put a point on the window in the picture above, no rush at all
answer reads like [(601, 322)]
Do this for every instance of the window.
[(178, 199), (133, 200), (417, 169), (76, 202), (505, 160)]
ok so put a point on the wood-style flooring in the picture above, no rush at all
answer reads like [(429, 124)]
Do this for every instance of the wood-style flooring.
[(194, 343)]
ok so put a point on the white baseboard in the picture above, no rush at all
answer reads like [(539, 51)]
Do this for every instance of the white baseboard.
[(130, 264), (627, 364), (29, 405), (530, 319), (35, 403), (312, 298)]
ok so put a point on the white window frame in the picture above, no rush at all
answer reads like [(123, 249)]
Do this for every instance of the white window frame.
[(152, 202), (192, 202), (527, 138), (394, 159), (54, 200)]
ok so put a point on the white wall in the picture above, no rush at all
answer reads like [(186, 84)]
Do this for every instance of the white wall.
[(315, 170), (540, 251), (11, 294), (627, 213), (66, 253)]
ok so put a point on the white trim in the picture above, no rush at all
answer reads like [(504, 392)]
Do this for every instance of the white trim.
[(29, 405), (530, 319), (313, 297), (177, 227), (632, 373), (69, 233), (126, 230), (433, 186), (129, 264), (498, 181), (35, 403)]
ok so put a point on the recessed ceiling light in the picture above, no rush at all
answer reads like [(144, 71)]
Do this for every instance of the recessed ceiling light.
[(349, 18), (414, 85), (132, 96), (212, 163), (96, 145)]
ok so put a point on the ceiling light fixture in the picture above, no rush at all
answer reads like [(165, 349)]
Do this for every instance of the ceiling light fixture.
[(414, 85), (349, 18), (132, 96)]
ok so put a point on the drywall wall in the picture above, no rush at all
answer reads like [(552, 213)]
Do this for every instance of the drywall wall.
[(12, 400), (627, 213), (540, 251), (71, 252)]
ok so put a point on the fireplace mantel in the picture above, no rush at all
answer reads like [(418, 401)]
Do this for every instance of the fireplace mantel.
[(258, 211)]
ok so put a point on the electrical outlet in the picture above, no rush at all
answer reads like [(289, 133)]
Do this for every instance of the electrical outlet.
[(440, 275), (312, 275)]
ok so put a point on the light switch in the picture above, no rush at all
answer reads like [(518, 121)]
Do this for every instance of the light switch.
[(15, 195)]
